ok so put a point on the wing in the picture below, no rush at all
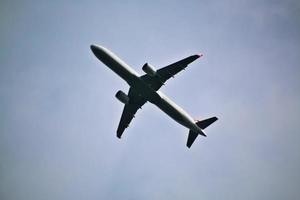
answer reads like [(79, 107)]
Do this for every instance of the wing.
[(135, 102), (163, 74)]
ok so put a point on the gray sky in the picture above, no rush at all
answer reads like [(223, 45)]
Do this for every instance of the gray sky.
[(58, 113)]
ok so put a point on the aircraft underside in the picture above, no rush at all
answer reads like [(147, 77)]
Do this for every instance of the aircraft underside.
[(145, 88)]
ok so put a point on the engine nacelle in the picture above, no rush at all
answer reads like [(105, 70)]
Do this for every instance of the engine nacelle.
[(149, 69), (121, 96)]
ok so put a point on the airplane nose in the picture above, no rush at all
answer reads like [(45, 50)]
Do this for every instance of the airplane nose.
[(93, 48), (99, 51), (96, 50)]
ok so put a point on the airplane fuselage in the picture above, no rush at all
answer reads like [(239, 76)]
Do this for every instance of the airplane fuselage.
[(136, 83)]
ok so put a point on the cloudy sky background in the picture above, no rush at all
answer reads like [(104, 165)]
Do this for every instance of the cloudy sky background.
[(58, 113)]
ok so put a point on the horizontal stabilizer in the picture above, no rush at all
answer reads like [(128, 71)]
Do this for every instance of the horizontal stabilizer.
[(205, 123), (191, 138)]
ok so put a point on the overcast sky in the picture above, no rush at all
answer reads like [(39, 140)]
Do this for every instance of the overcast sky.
[(58, 113)]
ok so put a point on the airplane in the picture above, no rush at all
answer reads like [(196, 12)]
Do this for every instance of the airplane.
[(145, 89)]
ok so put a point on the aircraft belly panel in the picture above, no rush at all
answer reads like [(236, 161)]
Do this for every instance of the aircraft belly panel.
[(174, 113)]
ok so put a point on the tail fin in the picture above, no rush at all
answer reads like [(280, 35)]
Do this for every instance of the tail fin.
[(191, 138), (205, 123), (202, 124)]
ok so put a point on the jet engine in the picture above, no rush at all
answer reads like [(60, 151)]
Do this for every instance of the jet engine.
[(121, 96), (149, 69)]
